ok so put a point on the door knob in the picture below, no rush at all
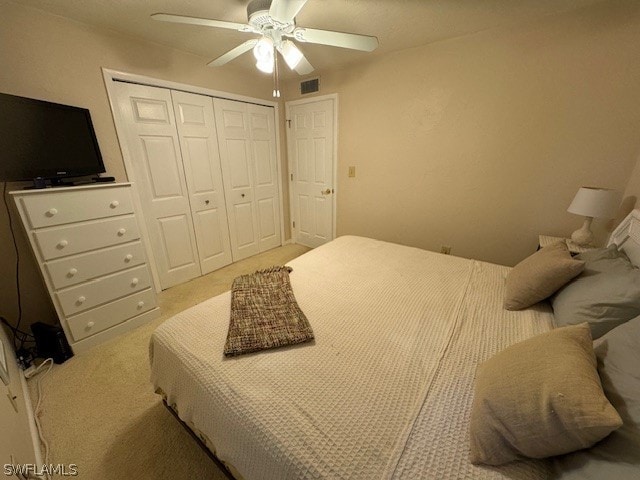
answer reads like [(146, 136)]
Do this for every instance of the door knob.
[(326, 192)]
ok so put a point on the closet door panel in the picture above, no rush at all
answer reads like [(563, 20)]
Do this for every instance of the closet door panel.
[(263, 145), (245, 232), (152, 143), (234, 137), (201, 158), (213, 241), (174, 234), (267, 213)]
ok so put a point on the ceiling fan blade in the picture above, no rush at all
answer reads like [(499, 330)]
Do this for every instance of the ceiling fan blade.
[(206, 22), (336, 39), (284, 11), (294, 58), (233, 53), (304, 67)]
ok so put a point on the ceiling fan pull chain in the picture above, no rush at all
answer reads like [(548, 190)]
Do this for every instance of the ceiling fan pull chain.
[(276, 77)]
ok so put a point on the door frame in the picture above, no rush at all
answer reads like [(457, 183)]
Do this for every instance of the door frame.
[(334, 199), (110, 76)]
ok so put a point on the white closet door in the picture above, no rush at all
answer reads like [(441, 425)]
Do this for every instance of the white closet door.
[(152, 143), (263, 143), (199, 142), (234, 138)]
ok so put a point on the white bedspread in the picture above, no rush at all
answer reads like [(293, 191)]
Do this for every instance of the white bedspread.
[(384, 391)]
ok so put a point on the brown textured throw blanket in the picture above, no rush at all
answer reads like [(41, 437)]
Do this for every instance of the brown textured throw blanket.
[(264, 313)]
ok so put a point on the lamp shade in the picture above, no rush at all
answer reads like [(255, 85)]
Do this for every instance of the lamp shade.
[(292, 55), (595, 202)]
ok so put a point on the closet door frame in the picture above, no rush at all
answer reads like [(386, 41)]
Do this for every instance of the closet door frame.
[(111, 76)]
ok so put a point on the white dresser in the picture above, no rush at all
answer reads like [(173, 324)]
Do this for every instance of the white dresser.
[(87, 243)]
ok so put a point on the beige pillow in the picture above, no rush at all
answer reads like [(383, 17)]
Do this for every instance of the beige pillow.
[(539, 398), (540, 275)]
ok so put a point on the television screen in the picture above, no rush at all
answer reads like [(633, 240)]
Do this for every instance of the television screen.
[(44, 139)]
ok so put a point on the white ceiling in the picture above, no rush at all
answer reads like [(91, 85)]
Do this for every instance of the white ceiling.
[(398, 24)]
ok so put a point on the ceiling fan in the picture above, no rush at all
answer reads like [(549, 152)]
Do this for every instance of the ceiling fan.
[(274, 21)]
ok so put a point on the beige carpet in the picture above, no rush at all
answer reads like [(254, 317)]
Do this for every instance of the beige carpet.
[(99, 409)]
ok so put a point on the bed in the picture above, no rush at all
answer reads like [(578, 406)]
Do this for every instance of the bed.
[(384, 391)]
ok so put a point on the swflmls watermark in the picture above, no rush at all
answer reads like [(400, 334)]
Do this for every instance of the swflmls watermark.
[(26, 469)]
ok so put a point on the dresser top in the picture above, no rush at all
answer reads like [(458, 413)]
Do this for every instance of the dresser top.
[(88, 186)]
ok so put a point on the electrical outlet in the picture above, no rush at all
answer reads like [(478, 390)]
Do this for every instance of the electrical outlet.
[(352, 171), (445, 249)]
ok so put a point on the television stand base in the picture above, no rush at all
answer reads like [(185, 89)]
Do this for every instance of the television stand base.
[(104, 179), (61, 182)]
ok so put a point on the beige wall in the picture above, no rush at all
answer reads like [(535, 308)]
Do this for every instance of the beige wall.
[(632, 192), (481, 142), (53, 58)]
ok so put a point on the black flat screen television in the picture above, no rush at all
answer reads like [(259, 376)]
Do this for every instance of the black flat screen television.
[(43, 140)]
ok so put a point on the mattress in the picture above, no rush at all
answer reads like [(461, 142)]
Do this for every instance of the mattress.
[(384, 391)]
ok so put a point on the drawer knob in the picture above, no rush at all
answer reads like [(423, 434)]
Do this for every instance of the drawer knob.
[(81, 299), (135, 281), (128, 258), (62, 243), (122, 231), (90, 325), (114, 204), (140, 304), (52, 212), (72, 271)]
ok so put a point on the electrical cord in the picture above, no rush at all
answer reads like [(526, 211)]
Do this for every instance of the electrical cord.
[(37, 412), (24, 337), (15, 247)]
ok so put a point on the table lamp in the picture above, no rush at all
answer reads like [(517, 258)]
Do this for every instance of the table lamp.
[(592, 202)]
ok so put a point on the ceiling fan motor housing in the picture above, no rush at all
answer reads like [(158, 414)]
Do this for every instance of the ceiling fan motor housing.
[(258, 13)]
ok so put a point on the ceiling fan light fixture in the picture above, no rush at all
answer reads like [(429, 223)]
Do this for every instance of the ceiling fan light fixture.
[(291, 54), (263, 50), (265, 66)]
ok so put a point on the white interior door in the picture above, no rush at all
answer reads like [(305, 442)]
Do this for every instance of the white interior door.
[(246, 137), (263, 143), (199, 143), (152, 144), (311, 145)]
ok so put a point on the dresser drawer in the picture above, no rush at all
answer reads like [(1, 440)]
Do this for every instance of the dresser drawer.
[(80, 268), (58, 242), (101, 290), (93, 321), (60, 207)]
